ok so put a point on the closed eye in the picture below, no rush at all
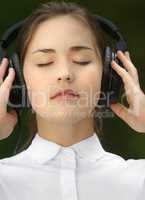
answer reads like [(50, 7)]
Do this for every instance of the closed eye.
[(80, 63), (43, 64), (83, 63)]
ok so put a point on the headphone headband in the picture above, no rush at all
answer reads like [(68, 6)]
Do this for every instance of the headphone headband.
[(105, 24), (112, 30), (11, 34)]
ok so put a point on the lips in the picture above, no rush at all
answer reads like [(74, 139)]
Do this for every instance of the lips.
[(64, 92)]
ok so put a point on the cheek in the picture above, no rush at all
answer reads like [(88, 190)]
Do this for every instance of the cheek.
[(37, 85), (90, 85), (35, 78), (91, 78)]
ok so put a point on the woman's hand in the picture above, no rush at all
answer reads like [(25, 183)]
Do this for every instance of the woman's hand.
[(134, 115), (8, 120)]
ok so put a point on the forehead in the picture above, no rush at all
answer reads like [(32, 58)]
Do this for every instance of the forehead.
[(61, 32)]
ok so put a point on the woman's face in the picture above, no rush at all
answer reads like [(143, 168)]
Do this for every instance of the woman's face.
[(62, 35)]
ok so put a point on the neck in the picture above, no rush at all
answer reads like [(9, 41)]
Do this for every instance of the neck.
[(65, 135)]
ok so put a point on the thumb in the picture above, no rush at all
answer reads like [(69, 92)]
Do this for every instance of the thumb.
[(14, 114), (120, 110), (127, 115)]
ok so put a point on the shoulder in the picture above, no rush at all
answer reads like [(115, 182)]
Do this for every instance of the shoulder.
[(114, 159), (20, 158), (129, 171)]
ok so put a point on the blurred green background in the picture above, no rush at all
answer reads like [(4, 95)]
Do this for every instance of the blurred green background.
[(129, 16)]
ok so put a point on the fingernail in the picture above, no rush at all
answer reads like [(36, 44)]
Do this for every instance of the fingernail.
[(3, 60), (10, 69), (113, 63), (127, 53), (121, 51)]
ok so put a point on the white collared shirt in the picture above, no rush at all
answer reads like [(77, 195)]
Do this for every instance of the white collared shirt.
[(83, 171)]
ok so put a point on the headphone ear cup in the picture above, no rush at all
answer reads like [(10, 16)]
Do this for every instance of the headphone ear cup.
[(18, 95), (15, 63), (107, 60), (105, 83), (111, 81), (116, 80)]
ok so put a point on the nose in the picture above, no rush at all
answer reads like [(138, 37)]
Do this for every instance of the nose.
[(65, 73)]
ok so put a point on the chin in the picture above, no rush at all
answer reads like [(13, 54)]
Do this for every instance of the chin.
[(63, 115)]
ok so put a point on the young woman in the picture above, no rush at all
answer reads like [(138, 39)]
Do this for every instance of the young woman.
[(61, 51)]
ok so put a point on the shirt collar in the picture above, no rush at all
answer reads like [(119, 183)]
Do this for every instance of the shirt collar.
[(43, 150)]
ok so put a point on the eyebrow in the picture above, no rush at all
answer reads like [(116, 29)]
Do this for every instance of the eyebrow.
[(73, 48)]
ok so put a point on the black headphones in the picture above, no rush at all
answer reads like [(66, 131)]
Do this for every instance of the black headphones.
[(111, 81)]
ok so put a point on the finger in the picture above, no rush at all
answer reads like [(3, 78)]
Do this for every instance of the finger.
[(127, 54), (124, 113), (3, 67), (132, 90), (119, 110), (7, 83), (128, 65), (5, 90), (1, 81), (127, 79)]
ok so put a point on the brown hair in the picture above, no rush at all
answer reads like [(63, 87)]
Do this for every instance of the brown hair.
[(47, 11)]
